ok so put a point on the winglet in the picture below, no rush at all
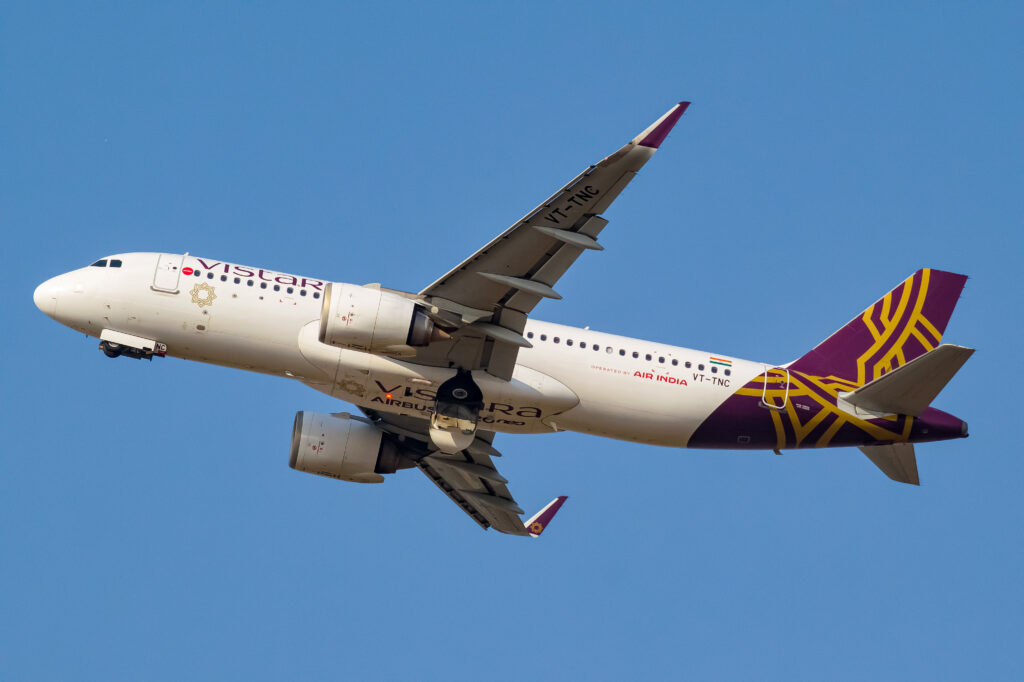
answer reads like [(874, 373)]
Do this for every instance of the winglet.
[(659, 130), (539, 521)]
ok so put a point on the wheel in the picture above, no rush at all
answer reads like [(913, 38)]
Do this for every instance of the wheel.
[(111, 350)]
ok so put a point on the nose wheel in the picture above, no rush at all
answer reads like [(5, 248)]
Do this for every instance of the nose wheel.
[(456, 413), (112, 349)]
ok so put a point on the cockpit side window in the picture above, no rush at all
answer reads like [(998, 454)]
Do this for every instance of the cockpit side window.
[(102, 263), (115, 263)]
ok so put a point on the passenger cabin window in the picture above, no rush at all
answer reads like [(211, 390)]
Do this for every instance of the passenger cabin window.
[(635, 354), (568, 342), (647, 357), (99, 264), (529, 335), (555, 339), (674, 362)]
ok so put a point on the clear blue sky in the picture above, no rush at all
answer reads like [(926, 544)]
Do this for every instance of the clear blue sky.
[(150, 527)]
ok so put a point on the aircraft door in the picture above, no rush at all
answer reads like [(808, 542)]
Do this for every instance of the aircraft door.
[(168, 272), (779, 390)]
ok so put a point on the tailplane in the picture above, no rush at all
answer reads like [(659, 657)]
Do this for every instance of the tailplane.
[(896, 460), (906, 323), (910, 388)]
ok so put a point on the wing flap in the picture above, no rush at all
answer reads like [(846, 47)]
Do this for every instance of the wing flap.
[(472, 482)]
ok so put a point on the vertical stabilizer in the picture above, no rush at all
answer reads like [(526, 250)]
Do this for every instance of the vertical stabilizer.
[(904, 324)]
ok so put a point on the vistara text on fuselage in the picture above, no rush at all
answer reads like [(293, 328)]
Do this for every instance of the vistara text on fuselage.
[(439, 372)]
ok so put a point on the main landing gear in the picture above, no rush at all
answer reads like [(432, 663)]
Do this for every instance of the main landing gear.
[(456, 412)]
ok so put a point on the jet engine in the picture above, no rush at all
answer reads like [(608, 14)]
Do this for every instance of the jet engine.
[(373, 320), (344, 447)]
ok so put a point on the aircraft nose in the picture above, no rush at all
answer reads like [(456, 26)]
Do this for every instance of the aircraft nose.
[(45, 296)]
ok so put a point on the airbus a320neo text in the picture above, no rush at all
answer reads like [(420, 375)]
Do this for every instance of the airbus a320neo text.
[(436, 374)]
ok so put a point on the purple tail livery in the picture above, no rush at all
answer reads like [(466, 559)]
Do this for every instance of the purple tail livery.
[(905, 323), (869, 384)]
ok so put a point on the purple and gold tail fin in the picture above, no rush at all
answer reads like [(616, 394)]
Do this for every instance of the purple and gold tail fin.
[(539, 521), (906, 323)]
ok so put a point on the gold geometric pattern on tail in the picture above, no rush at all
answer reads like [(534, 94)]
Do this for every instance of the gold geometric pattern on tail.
[(823, 416), (891, 324)]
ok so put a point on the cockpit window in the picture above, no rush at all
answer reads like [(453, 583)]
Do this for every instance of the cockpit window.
[(115, 263), (99, 264)]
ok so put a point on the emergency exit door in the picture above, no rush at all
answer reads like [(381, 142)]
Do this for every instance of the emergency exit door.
[(168, 272)]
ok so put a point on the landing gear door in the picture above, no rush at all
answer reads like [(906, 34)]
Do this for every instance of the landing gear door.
[(168, 272)]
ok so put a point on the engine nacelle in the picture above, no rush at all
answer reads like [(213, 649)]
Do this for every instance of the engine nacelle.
[(372, 320), (344, 447)]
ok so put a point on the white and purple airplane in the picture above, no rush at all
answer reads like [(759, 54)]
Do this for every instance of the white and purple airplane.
[(436, 374)]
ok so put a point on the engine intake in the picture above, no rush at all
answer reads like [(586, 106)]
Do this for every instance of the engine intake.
[(344, 447), (373, 320)]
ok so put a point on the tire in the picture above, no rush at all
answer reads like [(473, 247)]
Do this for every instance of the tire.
[(111, 350)]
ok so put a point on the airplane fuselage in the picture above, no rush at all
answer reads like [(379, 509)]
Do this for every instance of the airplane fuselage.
[(570, 379)]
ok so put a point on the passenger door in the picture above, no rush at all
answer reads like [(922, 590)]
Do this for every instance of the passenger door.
[(168, 272)]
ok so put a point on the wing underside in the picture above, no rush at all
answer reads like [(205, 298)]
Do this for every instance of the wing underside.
[(469, 477)]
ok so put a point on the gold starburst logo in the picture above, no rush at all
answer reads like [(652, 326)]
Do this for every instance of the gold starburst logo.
[(536, 527), (202, 294)]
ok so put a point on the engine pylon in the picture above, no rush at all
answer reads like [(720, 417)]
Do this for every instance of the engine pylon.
[(456, 413)]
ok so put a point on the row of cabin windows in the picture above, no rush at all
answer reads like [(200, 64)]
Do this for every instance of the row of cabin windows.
[(622, 352), (263, 285), (103, 263)]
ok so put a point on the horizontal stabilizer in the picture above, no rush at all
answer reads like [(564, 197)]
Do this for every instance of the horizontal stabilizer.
[(911, 388), (896, 460)]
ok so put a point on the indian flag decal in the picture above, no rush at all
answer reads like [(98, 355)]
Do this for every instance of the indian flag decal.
[(719, 361)]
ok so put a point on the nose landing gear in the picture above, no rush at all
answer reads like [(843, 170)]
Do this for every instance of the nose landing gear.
[(456, 412), (113, 349)]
